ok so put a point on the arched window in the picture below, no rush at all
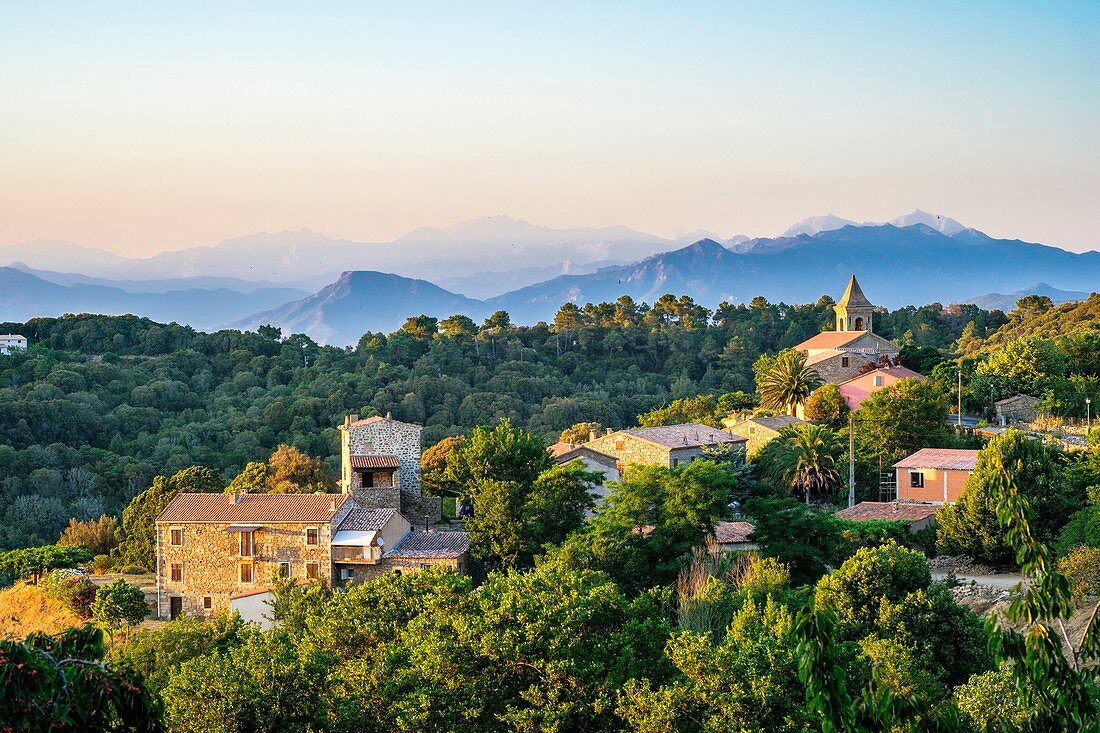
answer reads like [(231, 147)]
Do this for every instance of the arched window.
[(859, 324)]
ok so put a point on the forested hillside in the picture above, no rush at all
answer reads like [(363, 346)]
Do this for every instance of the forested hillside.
[(99, 405)]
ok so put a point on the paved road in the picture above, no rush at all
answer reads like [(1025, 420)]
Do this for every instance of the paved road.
[(1003, 581)]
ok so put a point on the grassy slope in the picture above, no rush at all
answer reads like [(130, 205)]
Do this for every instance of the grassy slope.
[(25, 609)]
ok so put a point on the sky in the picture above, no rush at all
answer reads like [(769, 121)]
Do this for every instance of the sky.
[(141, 127)]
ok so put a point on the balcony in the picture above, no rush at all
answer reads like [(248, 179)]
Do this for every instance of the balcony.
[(361, 555)]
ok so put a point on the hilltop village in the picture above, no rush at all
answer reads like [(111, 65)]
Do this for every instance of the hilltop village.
[(659, 510)]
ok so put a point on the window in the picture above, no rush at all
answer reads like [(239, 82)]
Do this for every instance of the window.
[(176, 537), (284, 570), (246, 572), (177, 572), (620, 444), (207, 602), (248, 545), (752, 430), (844, 361), (675, 462), (312, 570), (878, 380), (311, 536), (916, 479)]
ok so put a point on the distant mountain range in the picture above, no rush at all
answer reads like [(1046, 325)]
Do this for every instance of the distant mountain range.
[(358, 302), (24, 296), (1007, 302), (896, 265), (496, 263)]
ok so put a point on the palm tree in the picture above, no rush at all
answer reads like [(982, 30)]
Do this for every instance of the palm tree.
[(808, 459), (789, 382)]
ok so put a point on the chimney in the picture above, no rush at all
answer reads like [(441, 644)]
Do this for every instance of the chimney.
[(593, 434), (351, 417), (236, 497), (389, 415), (332, 504), (608, 431)]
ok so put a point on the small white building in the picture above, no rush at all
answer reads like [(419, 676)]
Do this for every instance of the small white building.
[(11, 341)]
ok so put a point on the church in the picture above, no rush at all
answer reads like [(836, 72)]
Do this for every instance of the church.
[(854, 347)]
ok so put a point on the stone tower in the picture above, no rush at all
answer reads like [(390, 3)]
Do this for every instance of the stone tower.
[(380, 467), (854, 312)]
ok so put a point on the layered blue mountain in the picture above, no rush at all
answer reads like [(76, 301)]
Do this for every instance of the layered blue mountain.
[(24, 296), (897, 266), (1007, 301), (363, 301)]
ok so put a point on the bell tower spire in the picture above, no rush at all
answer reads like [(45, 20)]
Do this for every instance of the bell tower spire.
[(854, 312)]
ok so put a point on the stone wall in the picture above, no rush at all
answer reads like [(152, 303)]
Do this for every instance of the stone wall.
[(210, 558), (388, 437), (833, 370), (628, 449)]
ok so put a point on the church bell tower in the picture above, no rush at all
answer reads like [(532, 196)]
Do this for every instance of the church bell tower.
[(854, 312)]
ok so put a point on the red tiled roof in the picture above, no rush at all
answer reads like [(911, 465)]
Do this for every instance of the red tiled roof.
[(578, 451), (948, 459), (867, 511), (374, 462), (732, 533), (830, 340), (558, 449), (252, 508), (430, 545)]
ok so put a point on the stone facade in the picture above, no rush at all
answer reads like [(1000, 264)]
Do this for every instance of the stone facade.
[(676, 445), (1018, 408), (389, 487), (210, 561), (841, 366)]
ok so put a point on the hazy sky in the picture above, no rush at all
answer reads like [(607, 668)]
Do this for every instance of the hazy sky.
[(141, 126)]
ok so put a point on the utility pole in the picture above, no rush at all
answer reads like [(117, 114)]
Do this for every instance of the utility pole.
[(960, 415), (851, 462)]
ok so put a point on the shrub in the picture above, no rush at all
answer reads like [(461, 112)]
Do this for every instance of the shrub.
[(132, 570), (101, 563), (1081, 566), (72, 589)]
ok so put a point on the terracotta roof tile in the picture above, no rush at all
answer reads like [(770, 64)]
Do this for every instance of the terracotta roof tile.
[(252, 508), (374, 462), (430, 545), (948, 459), (867, 511), (731, 533), (830, 340)]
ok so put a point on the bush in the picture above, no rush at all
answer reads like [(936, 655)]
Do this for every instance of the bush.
[(101, 564), (1081, 566), (72, 589), (132, 570)]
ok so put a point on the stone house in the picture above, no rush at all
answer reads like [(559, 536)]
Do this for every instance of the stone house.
[(1017, 408), (593, 460), (759, 431), (668, 446), (218, 550), (935, 475), (380, 467), (857, 389)]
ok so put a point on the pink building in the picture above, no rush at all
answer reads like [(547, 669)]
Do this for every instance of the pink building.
[(858, 388)]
